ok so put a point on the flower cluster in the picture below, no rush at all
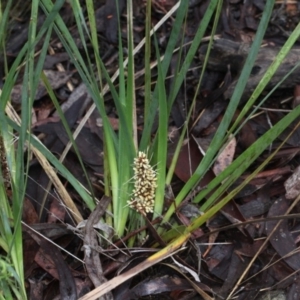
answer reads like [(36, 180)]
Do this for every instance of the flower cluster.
[(144, 185)]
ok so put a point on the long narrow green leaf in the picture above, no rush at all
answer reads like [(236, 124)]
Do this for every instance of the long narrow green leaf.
[(268, 75), (147, 60), (127, 130), (176, 28), (161, 155), (191, 110), (55, 162), (272, 69), (69, 133), (192, 51), (219, 135), (244, 161), (91, 84)]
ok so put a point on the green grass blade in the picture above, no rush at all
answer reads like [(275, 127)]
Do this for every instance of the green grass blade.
[(69, 133), (238, 166), (268, 75), (255, 151), (147, 60), (149, 118), (219, 135), (127, 129), (191, 110), (192, 51), (55, 162), (161, 154)]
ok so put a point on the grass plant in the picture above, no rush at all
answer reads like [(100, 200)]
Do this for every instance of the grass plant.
[(122, 147)]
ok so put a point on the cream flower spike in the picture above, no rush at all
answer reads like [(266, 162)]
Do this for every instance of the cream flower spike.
[(144, 185)]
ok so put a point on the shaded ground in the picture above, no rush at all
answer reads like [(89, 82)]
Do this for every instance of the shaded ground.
[(218, 253)]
